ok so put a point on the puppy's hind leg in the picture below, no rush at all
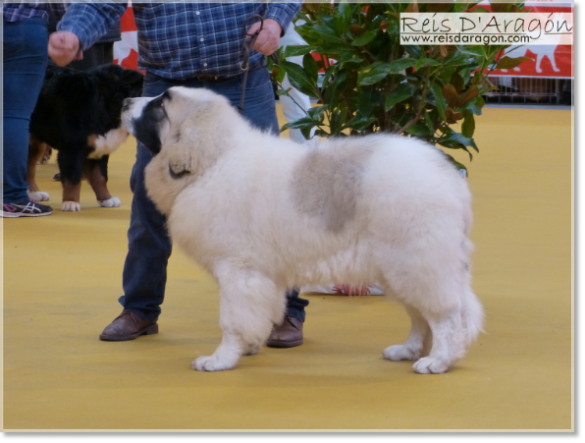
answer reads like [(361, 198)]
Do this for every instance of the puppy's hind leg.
[(249, 305), (432, 297), (448, 343)]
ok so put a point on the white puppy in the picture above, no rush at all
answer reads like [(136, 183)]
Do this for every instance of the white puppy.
[(263, 214)]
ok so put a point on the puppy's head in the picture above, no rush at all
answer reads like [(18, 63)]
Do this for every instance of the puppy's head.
[(117, 82), (186, 130)]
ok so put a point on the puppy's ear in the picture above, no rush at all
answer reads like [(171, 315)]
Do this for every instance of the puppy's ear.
[(196, 136), (180, 161)]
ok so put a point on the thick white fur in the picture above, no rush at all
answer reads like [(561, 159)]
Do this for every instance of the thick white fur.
[(38, 196), (236, 210), (113, 202), (70, 206), (107, 143)]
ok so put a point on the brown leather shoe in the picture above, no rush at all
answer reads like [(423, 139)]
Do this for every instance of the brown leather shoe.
[(286, 335), (128, 326)]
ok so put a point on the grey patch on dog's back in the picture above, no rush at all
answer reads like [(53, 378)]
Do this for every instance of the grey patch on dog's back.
[(327, 184)]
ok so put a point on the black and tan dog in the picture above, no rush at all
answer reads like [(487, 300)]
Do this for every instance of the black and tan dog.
[(78, 114)]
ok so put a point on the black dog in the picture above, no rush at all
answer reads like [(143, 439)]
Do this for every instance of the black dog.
[(78, 114)]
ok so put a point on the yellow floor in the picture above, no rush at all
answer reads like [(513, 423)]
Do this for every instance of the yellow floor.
[(62, 278)]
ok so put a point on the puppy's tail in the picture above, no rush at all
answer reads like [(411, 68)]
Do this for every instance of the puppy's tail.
[(472, 313), (473, 317)]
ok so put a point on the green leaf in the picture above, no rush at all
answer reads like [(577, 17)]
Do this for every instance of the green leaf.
[(365, 102), (296, 50), (328, 20), (345, 12), (326, 31), (311, 68), (300, 123), (402, 64), (452, 139), (335, 49), (458, 60), (456, 163), (426, 61), (309, 34), (430, 121), (511, 63), (337, 120), (440, 102), (476, 105), (328, 75), (419, 130), (306, 131), (359, 122), (350, 58), (363, 39), (299, 78), (401, 93), (413, 51), (318, 112), (468, 125), (373, 73), (465, 74), (335, 88)]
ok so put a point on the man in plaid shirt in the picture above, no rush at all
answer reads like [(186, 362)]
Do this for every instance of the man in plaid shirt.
[(193, 45)]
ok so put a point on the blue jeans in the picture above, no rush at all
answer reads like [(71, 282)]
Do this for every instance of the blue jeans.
[(149, 247), (25, 61)]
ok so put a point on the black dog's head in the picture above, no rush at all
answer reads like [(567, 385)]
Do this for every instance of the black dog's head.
[(118, 81), (113, 85)]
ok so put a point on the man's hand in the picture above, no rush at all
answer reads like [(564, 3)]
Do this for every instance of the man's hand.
[(64, 48), (268, 40)]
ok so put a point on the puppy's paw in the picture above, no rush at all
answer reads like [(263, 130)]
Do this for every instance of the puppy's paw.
[(210, 363), (430, 365), (69, 206), (38, 196), (113, 202), (400, 352)]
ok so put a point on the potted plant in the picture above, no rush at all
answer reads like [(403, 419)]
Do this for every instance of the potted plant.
[(370, 83)]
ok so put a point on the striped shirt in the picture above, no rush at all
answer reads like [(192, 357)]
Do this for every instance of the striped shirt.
[(181, 40)]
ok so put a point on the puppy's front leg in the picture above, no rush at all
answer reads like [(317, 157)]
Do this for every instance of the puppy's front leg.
[(70, 161), (96, 172), (226, 356), (36, 151), (249, 305)]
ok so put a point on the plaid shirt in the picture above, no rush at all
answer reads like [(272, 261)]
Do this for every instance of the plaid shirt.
[(14, 12), (181, 40)]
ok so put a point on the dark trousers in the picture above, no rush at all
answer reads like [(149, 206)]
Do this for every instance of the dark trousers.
[(149, 247), (99, 54)]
